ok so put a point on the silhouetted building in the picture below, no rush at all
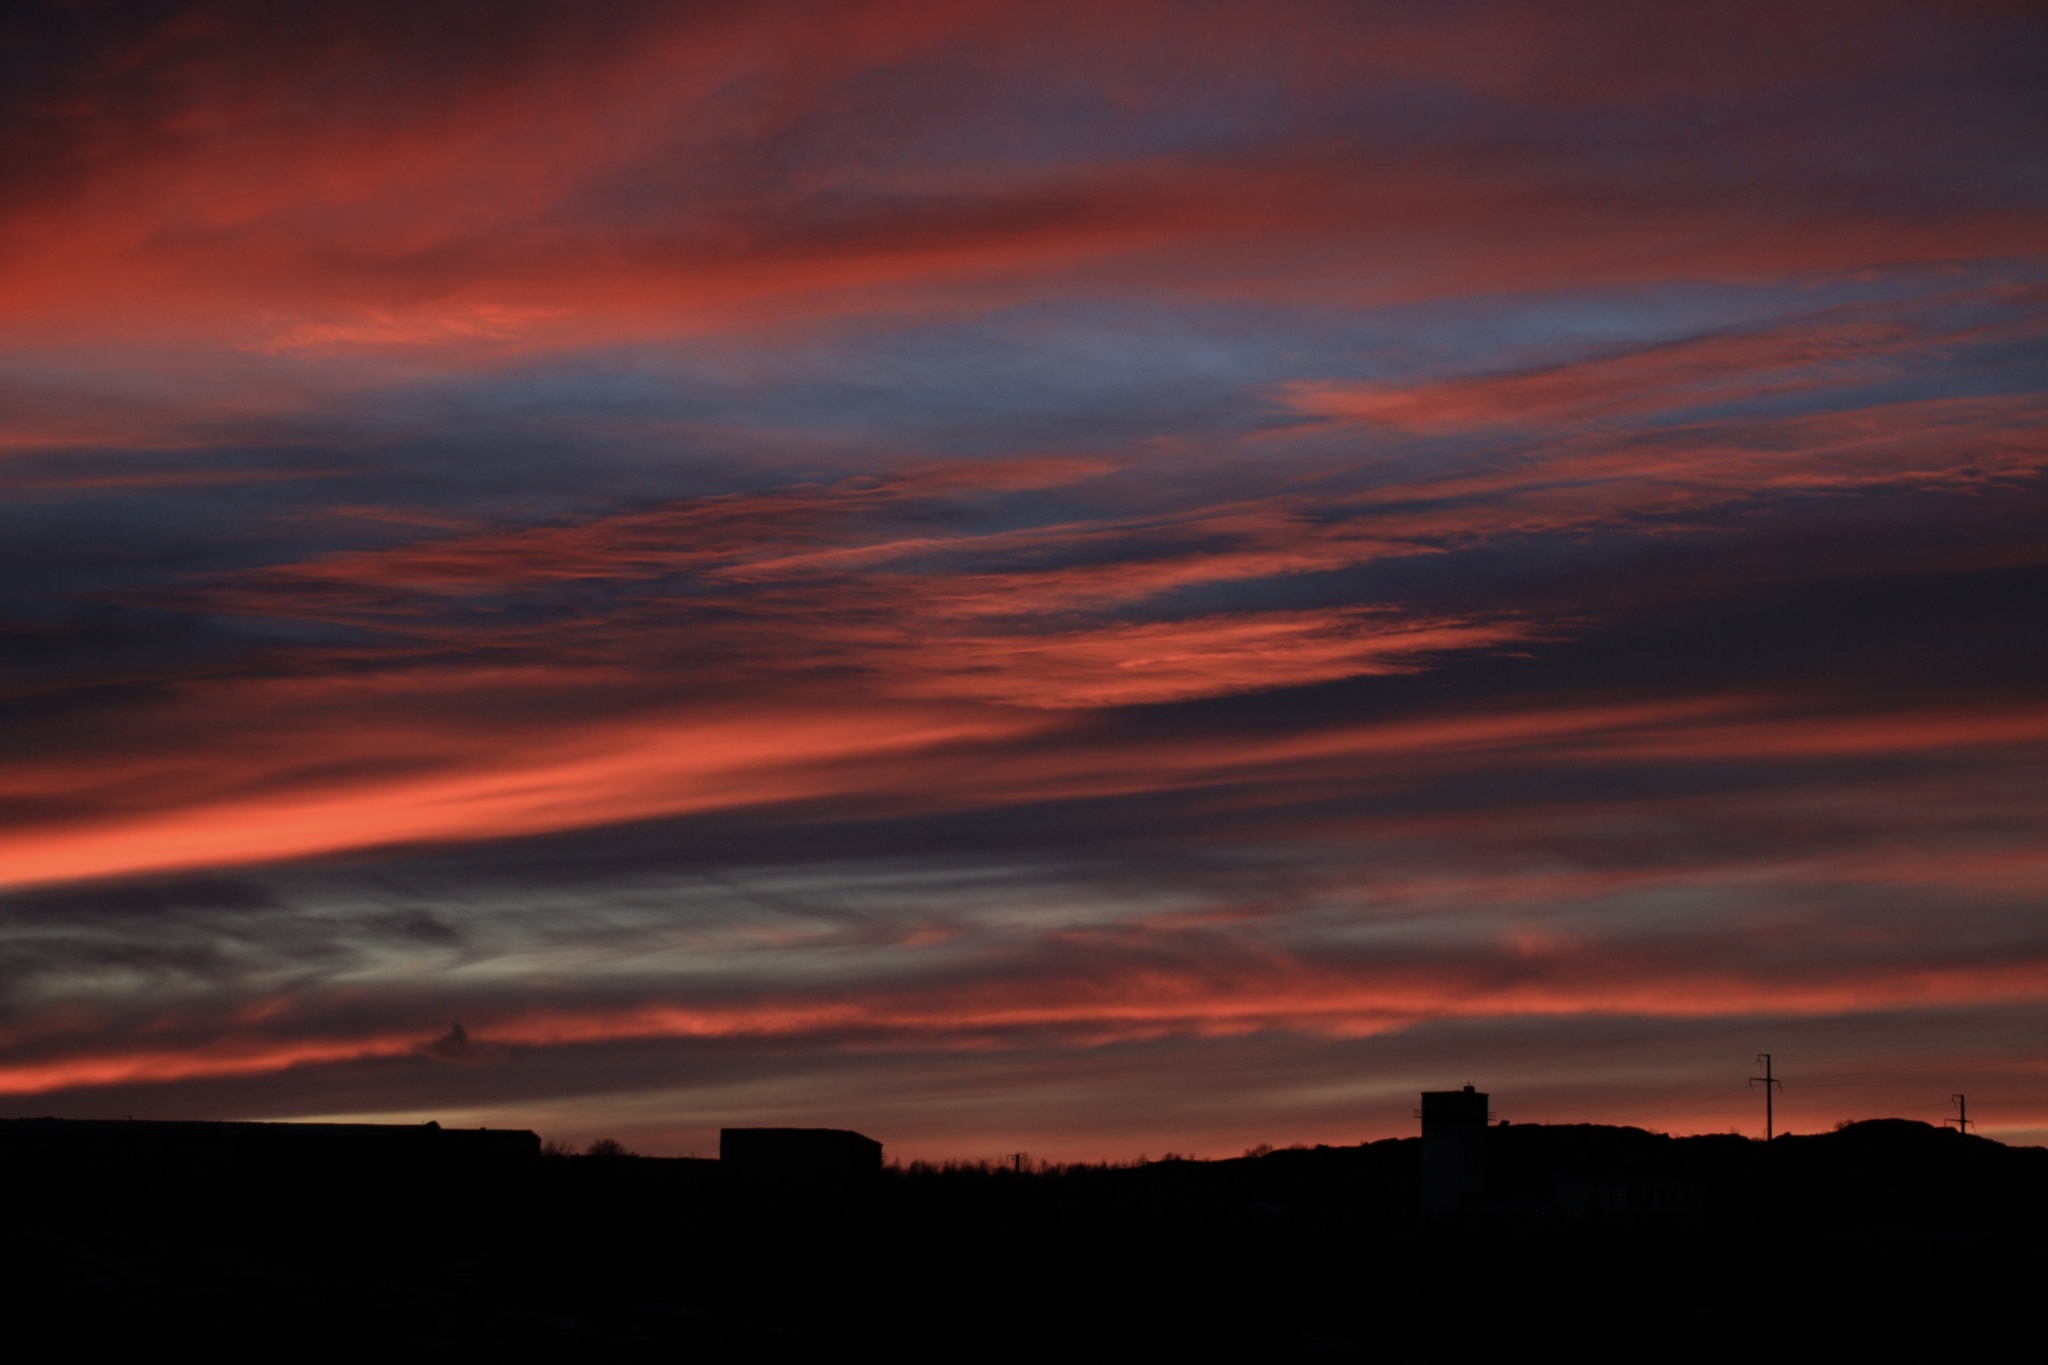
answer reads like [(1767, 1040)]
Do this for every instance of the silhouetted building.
[(282, 1170), (833, 1155), (120, 1143), (1453, 1148)]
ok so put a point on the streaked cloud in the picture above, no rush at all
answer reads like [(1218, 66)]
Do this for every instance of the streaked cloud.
[(997, 568)]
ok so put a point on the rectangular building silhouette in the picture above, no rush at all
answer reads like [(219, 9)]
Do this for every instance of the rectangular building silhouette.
[(812, 1155)]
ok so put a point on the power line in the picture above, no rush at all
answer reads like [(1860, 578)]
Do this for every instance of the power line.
[(1962, 1118), (1677, 1099)]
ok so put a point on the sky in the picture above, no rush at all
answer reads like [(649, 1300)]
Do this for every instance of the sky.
[(1086, 579)]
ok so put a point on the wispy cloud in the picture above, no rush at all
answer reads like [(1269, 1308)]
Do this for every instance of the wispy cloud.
[(888, 538)]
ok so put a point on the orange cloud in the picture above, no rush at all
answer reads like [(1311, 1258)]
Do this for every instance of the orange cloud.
[(239, 792), (214, 807), (1204, 657)]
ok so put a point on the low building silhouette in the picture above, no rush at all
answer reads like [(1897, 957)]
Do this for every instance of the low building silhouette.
[(290, 1175), (116, 1144), (1454, 1166), (808, 1155)]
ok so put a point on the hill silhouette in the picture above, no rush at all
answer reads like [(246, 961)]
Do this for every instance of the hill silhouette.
[(1606, 1242)]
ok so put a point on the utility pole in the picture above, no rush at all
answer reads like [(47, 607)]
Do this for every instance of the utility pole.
[(1771, 1085), (1962, 1119)]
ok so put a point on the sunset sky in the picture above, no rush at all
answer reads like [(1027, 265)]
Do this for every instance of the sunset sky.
[(1094, 579)]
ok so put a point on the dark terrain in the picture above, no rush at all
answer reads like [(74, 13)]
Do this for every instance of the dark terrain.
[(1883, 1239)]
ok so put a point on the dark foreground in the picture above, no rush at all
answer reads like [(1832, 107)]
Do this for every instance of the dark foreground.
[(1885, 1239)]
